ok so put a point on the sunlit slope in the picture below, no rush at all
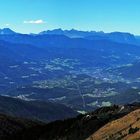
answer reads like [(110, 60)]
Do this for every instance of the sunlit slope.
[(125, 128)]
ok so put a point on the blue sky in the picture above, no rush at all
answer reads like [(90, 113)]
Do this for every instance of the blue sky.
[(37, 15)]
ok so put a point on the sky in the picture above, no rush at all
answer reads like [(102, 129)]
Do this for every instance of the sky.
[(33, 16)]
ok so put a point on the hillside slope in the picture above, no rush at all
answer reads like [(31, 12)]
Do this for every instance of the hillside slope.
[(78, 128), (126, 128), (9, 126), (35, 110)]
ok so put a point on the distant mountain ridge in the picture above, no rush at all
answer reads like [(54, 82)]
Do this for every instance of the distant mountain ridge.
[(71, 33), (6, 31), (120, 37)]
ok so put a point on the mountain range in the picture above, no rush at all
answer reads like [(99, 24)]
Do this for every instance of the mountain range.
[(93, 35), (120, 37), (29, 62), (49, 78)]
